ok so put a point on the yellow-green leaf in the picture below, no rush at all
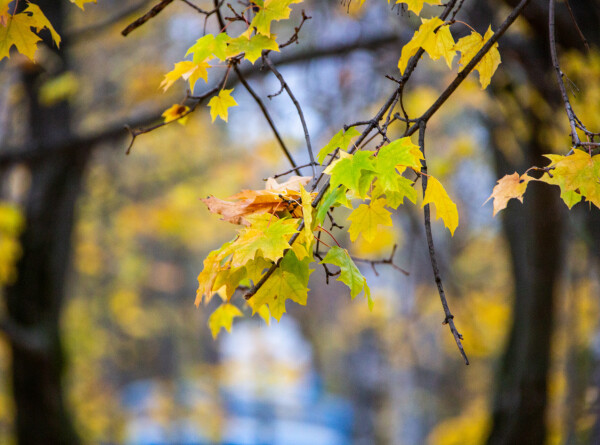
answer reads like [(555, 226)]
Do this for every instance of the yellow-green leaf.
[(289, 281), (349, 275), (341, 139), (437, 44), (251, 47), (223, 317), (269, 11), (416, 5), (187, 70), (366, 220), (220, 104), (444, 206), (470, 45)]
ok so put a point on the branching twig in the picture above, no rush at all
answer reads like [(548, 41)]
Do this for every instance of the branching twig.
[(449, 319), (284, 84), (387, 261)]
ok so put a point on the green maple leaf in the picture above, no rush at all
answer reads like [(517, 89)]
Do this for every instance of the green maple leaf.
[(404, 188), (288, 282), (333, 197), (223, 317), (267, 236), (208, 46), (348, 171), (252, 47), (349, 275), (219, 105), (394, 158), (341, 140), (367, 218)]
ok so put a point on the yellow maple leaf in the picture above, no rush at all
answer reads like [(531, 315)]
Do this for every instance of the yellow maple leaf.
[(581, 173), (219, 105), (81, 3), (176, 113), (470, 45), (416, 5), (437, 44), (507, 188), (367, 218), (444, 206), (223, 317), (18, 32), (187, 70), (39, 21)]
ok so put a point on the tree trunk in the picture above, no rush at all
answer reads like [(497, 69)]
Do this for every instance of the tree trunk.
[(34, 302)]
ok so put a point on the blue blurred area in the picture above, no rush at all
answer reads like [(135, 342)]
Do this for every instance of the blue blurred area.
[(267, 393)]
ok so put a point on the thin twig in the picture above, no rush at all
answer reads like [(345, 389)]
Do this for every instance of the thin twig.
[(387, 261), (449, 319), (272, 67), (156, 9), (583, 39)]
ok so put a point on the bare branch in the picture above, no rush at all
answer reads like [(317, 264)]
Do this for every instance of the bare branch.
[(449, 319), (143, 19)]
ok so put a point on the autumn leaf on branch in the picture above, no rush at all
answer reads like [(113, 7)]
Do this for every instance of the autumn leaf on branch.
[(509, 187), (444, 207), (470, 45), (177, 113), (275, 198), (366, 220), (220, 104), (223, 317), (269, 11), (436, 43), (349, 275), (19, 31)]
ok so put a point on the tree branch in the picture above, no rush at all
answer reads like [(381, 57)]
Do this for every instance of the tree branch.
[(449, 319)]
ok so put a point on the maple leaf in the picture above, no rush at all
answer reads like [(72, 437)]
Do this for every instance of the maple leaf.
[(366, 220), (436, 44), (349, 275), (341, 140), (470, 45), (223, 317), (208, 46), (445, 208), (416, 5), (4, 14), (570, 197), (393, 159), (333, 196), (81, 3), (251, 47), (18, 31), (206, 278), (176, 112), (307, 212), (288, 282), (395, 196), (507, 188), (219, 105), (266, 236), (348, 171), (274, 199), (187, 70), (580, 172), (270, 10)]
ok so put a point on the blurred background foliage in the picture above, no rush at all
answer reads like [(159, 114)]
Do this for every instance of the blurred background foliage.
[(142, 365)]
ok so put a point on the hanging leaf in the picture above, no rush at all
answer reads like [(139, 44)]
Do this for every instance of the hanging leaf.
[(444, 207)]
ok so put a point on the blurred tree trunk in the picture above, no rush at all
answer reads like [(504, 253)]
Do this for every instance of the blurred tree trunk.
[(536, 234), (35, 301)]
